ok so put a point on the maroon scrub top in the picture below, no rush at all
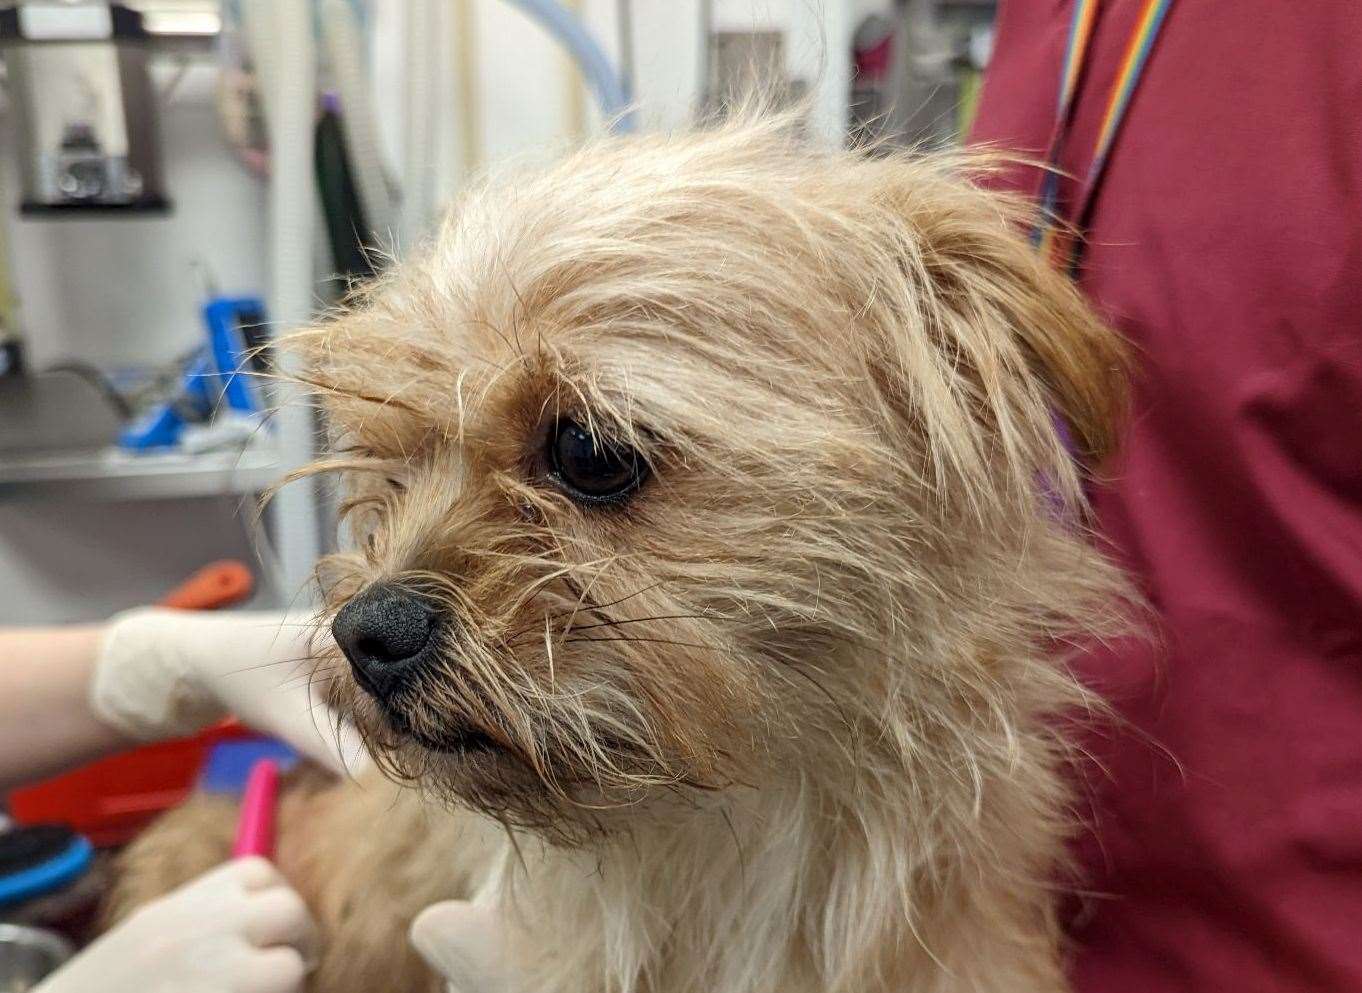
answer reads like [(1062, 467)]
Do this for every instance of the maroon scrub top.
[(1226, 243)]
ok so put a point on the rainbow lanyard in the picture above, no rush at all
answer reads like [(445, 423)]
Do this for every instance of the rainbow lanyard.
[(1058, 244)]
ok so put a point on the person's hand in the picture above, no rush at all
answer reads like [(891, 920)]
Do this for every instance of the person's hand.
[(236, 929), (465, 943), (167, 673)]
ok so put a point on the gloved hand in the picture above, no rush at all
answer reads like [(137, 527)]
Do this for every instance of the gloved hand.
[(167, 673), (464, 943), (236, 929)]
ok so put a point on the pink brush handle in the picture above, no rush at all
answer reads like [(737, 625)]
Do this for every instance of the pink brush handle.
[(255, 828)]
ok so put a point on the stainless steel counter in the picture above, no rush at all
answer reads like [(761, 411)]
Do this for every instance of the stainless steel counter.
[(111, 474)]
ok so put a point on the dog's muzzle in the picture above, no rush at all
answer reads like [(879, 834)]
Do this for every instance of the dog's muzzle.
[(386, 632)]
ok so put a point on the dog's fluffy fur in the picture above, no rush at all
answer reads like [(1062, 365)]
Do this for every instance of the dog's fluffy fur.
[(785, 719)]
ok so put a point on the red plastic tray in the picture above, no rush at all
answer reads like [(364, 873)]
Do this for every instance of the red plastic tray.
[(109, 801)]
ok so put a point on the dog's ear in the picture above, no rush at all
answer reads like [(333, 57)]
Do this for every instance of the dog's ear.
[(1081, 361), (1002, 314)]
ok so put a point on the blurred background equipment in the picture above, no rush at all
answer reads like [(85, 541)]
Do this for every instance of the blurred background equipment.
[(82, 93), (28, 955), (219, 400), (917, 71)]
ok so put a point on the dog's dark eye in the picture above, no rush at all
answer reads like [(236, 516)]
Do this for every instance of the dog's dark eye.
[(590, 469)]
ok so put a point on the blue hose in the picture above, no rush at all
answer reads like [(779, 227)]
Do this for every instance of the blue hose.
[(600, 75), (46, 876)]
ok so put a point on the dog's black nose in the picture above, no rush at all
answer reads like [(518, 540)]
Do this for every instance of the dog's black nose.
[(384, 632)]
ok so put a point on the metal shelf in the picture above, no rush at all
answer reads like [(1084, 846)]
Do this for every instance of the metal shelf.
[(112, 474)]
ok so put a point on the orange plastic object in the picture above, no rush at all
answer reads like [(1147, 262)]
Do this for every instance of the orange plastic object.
[(219, 584), (111, 800)]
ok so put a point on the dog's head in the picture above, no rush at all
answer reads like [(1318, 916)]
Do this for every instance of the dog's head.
[(684, 462)]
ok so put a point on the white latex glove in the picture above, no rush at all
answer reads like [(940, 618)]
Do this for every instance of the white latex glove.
[(464, 943), (168, 673), (236, 929)]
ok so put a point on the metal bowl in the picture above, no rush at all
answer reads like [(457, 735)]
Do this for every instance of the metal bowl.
[(28, 955)]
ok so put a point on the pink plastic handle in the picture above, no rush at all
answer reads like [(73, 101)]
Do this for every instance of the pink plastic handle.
[(255, 827)]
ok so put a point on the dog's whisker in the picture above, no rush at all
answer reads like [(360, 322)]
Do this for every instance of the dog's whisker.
[(592, 607), (647, 641), (273, 663), (620, 622)]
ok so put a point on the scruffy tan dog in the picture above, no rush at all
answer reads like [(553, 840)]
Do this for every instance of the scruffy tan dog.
[(715, 545)]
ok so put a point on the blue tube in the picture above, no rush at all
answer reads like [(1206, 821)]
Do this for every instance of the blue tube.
[(600, 75), (47, 876)]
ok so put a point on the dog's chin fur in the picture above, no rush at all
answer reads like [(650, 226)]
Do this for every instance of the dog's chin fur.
[(787, 716), (457, 766)]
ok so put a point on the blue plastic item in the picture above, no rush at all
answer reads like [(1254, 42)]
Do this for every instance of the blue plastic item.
[(230, 762), (230, 321), (216, 379), (45, 868)]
